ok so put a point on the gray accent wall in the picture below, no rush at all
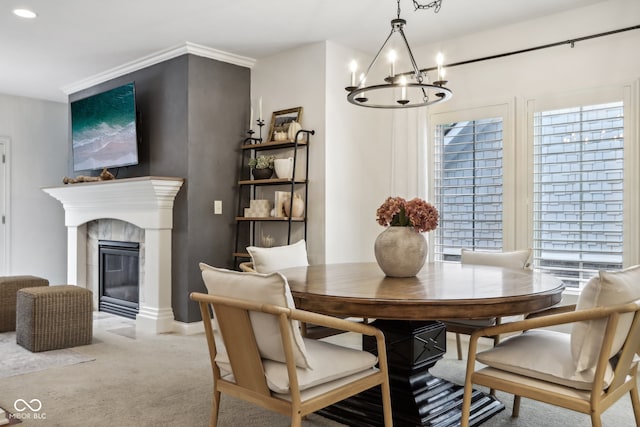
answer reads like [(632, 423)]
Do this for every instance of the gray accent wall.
[(193, 113)]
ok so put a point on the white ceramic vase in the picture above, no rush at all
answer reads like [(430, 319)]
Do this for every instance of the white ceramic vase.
[(401, 251), (284, 167)]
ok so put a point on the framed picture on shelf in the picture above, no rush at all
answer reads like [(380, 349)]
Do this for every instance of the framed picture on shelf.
[(280, 121)]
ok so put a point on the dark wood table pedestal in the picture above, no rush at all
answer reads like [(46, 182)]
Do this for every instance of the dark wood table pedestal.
[(406, 308), (418, 398)]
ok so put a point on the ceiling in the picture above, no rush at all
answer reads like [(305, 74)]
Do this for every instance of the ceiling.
[(72, 40)]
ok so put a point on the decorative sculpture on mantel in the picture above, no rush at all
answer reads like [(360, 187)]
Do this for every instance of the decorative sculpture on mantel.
[(105, 175)]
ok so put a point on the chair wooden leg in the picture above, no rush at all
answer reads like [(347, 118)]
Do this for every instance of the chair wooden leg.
[(635, 403), (215, 406), (465, 411), (386, 404), (466, 406), (459, 346), (595, 420), (516, 406), (296, 420)]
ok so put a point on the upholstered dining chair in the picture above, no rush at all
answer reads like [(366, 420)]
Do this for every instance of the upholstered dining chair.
[(268, 260), (258, 354), (586, 370), (513, 259)]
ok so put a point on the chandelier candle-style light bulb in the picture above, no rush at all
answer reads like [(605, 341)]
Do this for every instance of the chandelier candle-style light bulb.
[(353, 67), (403, 91), (363, 82), (440, 62), (392, 63)]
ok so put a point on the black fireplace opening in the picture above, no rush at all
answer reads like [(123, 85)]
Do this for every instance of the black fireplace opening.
[(119, 266)]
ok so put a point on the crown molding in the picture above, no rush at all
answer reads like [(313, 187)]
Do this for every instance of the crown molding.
[(156, 58)]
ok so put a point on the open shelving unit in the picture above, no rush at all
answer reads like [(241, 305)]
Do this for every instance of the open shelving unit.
[(249, 188)]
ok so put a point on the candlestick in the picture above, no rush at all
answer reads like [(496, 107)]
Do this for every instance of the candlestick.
[(250, 139), (251, 120), (260, 124), (260, 109)]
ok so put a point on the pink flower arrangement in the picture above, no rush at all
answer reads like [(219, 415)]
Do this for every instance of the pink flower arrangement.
[(416, 213)]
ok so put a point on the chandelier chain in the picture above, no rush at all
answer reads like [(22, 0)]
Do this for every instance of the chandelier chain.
[(435, 4)]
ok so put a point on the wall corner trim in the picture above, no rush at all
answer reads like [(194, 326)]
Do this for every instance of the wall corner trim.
[(156, 58)]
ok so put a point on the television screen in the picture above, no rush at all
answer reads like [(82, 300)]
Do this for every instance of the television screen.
[(103, 129)]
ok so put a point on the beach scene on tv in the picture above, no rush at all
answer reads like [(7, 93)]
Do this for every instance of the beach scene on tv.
[(103, 129)]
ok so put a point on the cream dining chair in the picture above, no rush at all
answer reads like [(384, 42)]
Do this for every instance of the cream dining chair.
[(514, 259), (276, 258), (586, 370), (258, 354)]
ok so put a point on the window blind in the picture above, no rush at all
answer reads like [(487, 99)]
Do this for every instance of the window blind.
[(578, 191), (468, 187)]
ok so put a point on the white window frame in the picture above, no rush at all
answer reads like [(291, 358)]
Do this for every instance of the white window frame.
[(518, 157), (504, 109), (628, 94)]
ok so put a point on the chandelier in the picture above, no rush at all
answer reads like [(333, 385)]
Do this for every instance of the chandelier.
[(399, 90)]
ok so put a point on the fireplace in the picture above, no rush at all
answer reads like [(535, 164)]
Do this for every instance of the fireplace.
[(147, 203), (119, 277)]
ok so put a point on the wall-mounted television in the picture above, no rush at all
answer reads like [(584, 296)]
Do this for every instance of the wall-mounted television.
[(104, 129)]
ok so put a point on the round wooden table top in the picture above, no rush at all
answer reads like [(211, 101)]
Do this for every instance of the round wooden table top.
[(439, 291)]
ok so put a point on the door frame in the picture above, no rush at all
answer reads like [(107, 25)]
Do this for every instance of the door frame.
[(5, 201)]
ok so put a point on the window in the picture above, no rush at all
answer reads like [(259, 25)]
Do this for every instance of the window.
[(468, 186), (578, 191)]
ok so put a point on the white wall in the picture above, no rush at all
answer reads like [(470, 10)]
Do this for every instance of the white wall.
[(590, 64), (293, 79), (38, 133), (358, 169), (351, 153)]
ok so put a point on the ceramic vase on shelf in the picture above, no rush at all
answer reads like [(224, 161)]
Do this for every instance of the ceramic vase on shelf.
[(297, 207), (264, 173), (400, 251), (294, 127), (283, 167)]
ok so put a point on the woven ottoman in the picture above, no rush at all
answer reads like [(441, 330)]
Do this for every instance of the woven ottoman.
[(9, 286), (54, 317)]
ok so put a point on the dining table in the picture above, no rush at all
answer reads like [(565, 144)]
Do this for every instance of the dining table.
[(409, 311)]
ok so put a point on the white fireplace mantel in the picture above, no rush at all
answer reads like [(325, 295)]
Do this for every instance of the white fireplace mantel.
[(146, 202)]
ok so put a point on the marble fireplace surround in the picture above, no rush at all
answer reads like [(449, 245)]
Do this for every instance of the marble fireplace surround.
[(145, 202)]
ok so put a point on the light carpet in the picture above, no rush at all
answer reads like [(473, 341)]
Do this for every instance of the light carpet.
[(17, 360), (165, 380)]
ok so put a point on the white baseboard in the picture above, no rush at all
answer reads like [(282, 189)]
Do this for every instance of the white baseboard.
[(188, 328)]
